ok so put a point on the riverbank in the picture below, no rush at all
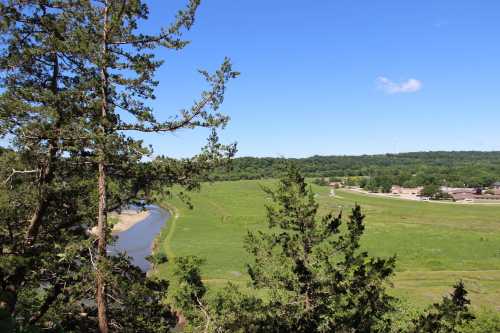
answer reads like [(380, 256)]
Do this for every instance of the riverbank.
[(137, 241), (125, 220)]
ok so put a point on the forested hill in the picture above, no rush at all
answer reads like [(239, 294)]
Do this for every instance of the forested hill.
[(471, 168)]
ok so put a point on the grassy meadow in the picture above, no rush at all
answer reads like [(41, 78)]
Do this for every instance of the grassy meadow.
[(436, 243)]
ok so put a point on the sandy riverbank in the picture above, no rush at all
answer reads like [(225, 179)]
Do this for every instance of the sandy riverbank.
[(126, 220)]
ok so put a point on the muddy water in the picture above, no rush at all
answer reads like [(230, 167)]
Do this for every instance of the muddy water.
[(137, 241)]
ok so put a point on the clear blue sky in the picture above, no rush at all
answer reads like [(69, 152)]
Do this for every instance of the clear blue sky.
[(340, 77)]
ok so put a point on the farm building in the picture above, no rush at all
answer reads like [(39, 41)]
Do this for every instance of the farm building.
[(462, 196), (406, 190), (473, 196), (451, 190)]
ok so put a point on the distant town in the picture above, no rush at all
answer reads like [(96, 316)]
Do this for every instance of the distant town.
[(431, 192)]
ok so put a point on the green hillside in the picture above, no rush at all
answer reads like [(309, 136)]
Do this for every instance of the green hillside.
[(435, 243), (455, 168)]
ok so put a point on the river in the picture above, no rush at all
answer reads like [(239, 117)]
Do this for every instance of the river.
[(137, 241)]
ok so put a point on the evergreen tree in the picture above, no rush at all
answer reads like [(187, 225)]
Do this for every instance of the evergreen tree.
[(40, 109), (121, 67), (70, 71), (313, 273), (188, 295), (449, 316)]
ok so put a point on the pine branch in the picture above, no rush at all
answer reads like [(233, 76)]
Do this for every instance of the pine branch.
[(170, 126)]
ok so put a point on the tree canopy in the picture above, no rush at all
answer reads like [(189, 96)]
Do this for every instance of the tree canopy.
[(455, 169)]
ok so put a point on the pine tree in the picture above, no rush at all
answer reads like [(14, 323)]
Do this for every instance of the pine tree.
[(313, 272), (39, 108), (70, 70), (449, 316), (188, 293), (122, 68)]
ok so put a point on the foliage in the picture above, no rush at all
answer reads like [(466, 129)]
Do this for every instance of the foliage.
[(487, 321), (190, 289), (315, 277), (75, 78), (434, 192), (232, 310), (431, 191), (401, 319), (372, 185), (321, 181), (455, 169), (449, 316)]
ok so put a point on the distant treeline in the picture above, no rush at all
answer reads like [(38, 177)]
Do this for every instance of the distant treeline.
[(457, 169)]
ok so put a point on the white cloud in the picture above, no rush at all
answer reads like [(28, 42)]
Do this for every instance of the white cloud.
[(440, 23), (391, 87)]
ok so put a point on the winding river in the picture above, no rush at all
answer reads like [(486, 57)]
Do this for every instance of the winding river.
[(137, 241)]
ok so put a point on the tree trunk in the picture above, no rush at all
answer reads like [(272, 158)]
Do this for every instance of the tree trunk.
[(101, 250), (44, 180), (102, 213), (46, 172)]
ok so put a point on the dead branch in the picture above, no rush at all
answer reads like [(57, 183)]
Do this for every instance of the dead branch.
[(15, 172), (205, 313)]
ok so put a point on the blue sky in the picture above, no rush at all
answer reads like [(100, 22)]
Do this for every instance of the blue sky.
[(339, 77)]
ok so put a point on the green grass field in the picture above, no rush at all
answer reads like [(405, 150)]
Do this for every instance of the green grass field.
[(436, 243)]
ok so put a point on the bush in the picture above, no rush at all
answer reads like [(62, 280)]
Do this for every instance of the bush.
[(487, 321)]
